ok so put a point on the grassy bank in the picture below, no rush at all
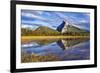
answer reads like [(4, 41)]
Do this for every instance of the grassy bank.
[(51, 37), (25, 39)]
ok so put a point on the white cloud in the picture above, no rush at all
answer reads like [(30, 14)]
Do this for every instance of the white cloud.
[(32, 15), (36, 23), (31, 22), (34, 12), (83, 21), (39, 12), (87, 14), (62, 15), (26, 26), (70, 19)]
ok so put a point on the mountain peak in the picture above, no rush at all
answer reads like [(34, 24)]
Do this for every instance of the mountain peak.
[(68, 27)]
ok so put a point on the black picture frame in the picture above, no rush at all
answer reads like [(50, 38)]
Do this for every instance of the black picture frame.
[(13, 36)]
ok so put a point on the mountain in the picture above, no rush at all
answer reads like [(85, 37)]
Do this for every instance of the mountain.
[(68, 27), (67, 30), (74, 31), (40, 31), (71, 28), (44, 29)]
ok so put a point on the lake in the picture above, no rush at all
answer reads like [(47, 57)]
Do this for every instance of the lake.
[(45, 50)]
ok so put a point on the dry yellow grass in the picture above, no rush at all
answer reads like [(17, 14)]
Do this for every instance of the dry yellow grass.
[(51, 37), (25, 58), (25, 39)]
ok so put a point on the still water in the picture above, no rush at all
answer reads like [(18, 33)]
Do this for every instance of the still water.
[(44, 50)]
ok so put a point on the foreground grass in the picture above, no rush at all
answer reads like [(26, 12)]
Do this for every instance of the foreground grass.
[(25, 58)]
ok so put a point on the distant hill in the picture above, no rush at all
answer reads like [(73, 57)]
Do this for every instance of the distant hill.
[(73, 31), (46, 31), (71, 28), (42, 31)]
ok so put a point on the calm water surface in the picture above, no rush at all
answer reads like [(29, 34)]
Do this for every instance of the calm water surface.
[(55, 50)]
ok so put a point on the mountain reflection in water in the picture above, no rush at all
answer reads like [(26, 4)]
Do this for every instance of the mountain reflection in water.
[(55, 50)]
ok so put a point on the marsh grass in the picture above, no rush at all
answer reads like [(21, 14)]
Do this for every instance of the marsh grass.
[(26, 58), (26, 39)]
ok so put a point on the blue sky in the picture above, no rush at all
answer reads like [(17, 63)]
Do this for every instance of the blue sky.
[(33, 19)]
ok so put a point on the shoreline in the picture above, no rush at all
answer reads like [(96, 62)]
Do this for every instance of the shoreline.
[(25, 39), (52, 37)]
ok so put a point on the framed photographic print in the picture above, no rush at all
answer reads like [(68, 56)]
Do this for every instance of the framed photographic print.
[(52, 36)]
